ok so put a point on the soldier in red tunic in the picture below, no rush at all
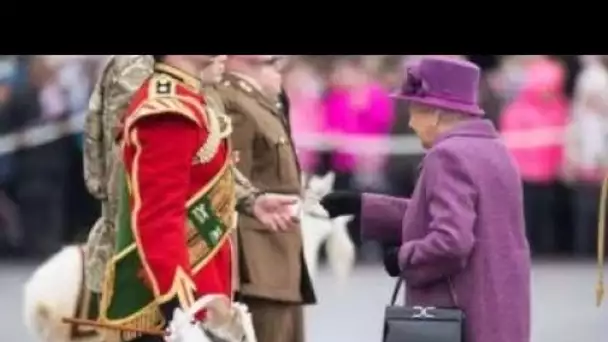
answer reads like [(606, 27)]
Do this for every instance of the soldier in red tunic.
[(178, 201)]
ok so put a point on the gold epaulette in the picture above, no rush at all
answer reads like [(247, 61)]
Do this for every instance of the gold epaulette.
[(236, 83), (162, 98)]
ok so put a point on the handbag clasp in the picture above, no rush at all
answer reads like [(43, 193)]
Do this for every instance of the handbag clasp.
[(423, 312)]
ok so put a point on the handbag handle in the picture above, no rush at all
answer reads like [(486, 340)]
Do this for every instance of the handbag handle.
[(399, 284)]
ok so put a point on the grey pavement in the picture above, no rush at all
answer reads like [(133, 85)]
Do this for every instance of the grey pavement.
[(563, 304)]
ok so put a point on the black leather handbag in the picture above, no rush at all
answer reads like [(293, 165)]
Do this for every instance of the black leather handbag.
[(422, 324)]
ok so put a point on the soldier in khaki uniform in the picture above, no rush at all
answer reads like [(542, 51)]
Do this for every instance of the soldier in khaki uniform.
[(274, 280)]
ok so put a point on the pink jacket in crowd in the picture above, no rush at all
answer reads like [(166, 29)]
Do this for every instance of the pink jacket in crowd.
[(306, 110), (368, 112), (533, 124)]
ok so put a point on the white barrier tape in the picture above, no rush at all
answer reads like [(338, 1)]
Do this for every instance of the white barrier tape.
[(410, 144), (42, 134), (360, 144), (354, 144)]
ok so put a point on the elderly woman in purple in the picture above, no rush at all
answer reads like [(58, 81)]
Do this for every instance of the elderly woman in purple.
[(461, 235)]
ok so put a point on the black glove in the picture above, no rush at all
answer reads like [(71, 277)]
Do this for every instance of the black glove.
[(342, 203), (390, 258)]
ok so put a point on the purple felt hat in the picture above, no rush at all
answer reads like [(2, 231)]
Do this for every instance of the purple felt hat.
[(443, 82)]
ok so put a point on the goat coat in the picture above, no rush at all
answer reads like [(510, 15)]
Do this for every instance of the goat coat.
[(462, 234)]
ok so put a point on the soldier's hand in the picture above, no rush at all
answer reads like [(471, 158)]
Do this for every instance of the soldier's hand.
[(276, 211)]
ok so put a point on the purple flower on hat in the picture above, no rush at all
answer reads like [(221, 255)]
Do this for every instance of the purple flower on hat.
[(414, 84)]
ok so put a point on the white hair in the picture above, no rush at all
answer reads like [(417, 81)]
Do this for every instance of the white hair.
[(446, 115), (451, 116)]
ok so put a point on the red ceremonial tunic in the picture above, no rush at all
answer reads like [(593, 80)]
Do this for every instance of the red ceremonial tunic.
[(164, 128)]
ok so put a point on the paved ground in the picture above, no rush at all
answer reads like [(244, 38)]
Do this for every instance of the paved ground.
[(563, 307)]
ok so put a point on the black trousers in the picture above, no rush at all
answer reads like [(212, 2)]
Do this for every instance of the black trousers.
[(40, 199), (538, 212), (39, 185), (586, 201)]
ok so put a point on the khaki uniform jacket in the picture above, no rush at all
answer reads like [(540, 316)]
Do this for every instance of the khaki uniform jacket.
[(271, 264)]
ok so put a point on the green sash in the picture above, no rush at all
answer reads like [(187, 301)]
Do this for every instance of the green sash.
[(126, 299)]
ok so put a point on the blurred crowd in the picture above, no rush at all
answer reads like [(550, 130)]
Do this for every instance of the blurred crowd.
[(42, 198), (552, 111)]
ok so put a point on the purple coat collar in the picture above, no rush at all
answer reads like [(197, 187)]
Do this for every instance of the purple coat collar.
[(477, 128)]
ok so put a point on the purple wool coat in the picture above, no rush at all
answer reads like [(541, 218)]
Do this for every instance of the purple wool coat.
[(462, 234)]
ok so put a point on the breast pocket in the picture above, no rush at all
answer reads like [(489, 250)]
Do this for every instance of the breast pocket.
[(279, 146)]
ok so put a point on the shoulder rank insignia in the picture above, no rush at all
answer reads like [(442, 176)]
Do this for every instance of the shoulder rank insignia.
[(239, 84), (243, 85), (162, 86)]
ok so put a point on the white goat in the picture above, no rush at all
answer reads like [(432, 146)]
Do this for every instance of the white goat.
[(317, 228), (52, 293)]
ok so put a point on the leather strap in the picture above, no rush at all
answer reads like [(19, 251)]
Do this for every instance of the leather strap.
[(399, 284), (396, 291)]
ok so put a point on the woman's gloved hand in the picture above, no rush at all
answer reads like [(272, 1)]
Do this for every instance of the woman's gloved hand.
[(342, 203), (390, 258)]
